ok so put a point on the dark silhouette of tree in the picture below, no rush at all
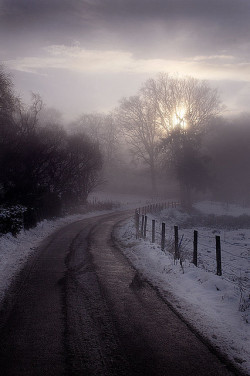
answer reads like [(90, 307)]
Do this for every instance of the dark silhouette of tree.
[(27, 117), (228, 149), (50, 162), (185, 161), (7, 100), (185, 102), (7, 125), (80, 164), (185, 108), (42, 166)]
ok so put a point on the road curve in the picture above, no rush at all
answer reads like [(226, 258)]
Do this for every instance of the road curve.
[(82, 309)]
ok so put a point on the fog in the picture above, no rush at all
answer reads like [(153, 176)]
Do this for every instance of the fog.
[(226, 153), (83, 56), (147, 145), (94, 68), (229, 154)]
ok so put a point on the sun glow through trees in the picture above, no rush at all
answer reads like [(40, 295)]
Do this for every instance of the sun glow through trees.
[(179, 117)]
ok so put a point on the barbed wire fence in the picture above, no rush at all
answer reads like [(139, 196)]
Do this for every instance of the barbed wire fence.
[(203, 251)]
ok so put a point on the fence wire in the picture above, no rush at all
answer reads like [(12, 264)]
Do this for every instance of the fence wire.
[(236, 274)]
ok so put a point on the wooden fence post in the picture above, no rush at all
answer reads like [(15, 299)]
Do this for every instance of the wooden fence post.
[(218, 255), (163, 231), (176, 243), (153, 230), (195, 253), (145, 227), (142, 225), (137, 223)]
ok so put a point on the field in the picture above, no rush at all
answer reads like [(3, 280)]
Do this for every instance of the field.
[(217, 306)]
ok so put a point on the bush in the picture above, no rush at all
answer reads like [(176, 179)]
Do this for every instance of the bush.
[(11, 219), (29, 219)]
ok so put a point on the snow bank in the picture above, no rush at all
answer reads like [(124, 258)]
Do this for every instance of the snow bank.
[(218, 307), (15, 251)]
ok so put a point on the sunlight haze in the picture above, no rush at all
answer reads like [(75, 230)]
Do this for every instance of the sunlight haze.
[(84, 56)]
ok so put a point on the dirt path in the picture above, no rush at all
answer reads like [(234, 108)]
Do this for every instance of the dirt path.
[(83, 310)]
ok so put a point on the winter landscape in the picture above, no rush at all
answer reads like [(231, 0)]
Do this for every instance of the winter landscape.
[(218, 307), (124, 188)]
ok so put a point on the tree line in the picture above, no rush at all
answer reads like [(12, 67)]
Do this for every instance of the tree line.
[(176, 128), (164, 124), (43, 167), (172, 128)]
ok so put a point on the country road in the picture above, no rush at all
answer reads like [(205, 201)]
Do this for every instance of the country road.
[(80, 308)]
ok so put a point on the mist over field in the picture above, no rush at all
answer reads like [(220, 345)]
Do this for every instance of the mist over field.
[(170, 139), (158, 91), (124, 187)]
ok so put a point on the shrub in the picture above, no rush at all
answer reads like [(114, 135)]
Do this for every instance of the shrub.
[(11, 219)]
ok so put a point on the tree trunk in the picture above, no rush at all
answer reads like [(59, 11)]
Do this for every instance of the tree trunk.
[(153, 179), (185, 196)]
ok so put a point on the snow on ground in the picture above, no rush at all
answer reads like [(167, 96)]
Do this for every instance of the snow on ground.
[(217, 306), (219, 208), (15, 251), (124, 200)]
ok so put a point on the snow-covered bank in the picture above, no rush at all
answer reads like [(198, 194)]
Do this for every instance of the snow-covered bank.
[(218, 307), (15, 251)]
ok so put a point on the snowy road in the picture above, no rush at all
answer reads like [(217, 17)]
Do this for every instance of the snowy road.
[(82, 309)]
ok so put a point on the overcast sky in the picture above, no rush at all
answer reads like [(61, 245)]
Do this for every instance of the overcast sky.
[(84, 55)]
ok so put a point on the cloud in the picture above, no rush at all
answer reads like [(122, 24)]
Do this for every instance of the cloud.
[(144, 27), (106, 42), (80, 60), (213, 57), (77, 59)]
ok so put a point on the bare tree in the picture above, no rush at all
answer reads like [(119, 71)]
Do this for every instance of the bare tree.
[(7, 127), (185, 107), (7, 108), (27, 117), (50, 116), (90, 124), (41, 165), (186, 102), (110, 139), (7, 98), (79, 169), (137, 117), (102, 129)]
